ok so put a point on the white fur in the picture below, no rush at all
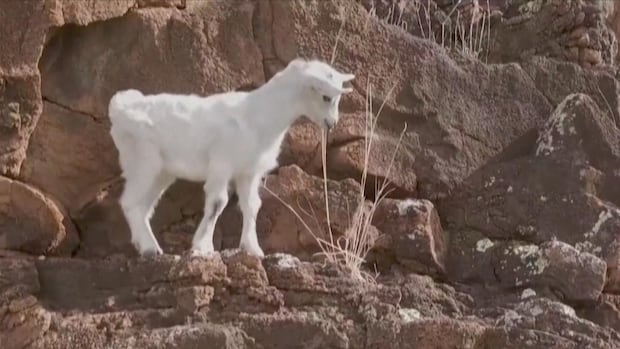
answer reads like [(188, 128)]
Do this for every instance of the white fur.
[(227, 137)]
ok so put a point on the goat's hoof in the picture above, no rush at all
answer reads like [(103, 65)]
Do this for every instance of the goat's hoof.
[(202, 252), (147, 248), (253, 250), (151, 253)]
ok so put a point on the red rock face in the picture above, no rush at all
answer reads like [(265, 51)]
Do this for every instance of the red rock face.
[(501, 225)]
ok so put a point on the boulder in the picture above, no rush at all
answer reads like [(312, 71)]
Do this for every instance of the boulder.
[(559, 189), (283, 230), (32, 222)]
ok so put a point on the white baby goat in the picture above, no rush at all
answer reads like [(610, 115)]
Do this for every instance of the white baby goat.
[(226, 137)]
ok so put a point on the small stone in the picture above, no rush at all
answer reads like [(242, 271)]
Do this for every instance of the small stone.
[(417, 238), (528, 293), (578, 32), (591, 56), (572, 54)]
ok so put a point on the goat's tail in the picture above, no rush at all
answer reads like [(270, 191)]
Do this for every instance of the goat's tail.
[(123, 116), (121, 100)]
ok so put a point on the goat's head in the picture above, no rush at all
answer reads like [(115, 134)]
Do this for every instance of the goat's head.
[(322, 87)]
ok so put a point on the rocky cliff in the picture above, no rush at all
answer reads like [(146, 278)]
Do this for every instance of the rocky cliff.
[(501, 228)]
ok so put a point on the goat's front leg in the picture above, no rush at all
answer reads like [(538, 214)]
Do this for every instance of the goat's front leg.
[(216, 199), (249, 202)]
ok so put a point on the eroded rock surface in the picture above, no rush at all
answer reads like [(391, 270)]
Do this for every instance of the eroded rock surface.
[(575, 31), (236, 301)]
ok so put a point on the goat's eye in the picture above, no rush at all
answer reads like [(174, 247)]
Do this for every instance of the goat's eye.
[(326, 99)]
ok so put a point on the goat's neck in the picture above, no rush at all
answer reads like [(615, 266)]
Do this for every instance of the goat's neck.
[(276, 106)]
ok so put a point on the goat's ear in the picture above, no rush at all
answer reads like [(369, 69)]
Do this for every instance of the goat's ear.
[(323, 86), (347, 90), (298, 62), (347, 77)]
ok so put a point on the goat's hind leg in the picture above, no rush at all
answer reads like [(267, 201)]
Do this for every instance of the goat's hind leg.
[(138, 202), (145, 181)]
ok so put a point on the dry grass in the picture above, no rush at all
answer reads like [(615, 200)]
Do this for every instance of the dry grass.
[(471, 41), (351, 249), (469, 35)]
